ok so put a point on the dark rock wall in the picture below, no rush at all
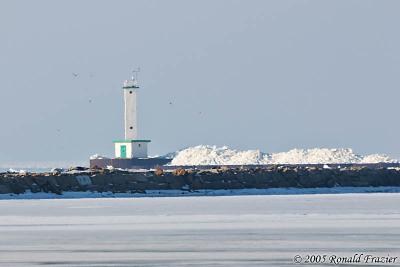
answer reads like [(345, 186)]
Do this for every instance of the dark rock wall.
[(272, 177)]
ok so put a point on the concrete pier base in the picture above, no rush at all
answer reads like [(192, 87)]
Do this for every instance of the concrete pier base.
[(135, 163)]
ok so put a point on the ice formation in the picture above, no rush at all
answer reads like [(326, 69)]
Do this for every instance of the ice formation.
[(213, 155)]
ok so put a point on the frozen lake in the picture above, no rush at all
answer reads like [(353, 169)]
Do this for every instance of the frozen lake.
[(197, 231)]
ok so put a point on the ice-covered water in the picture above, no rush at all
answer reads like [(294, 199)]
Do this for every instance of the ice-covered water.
[(196, 231)]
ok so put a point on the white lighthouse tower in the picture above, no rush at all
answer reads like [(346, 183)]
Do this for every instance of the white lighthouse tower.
[(131, 146)]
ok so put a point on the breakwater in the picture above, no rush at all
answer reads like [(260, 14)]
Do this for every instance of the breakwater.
[(117, 181)]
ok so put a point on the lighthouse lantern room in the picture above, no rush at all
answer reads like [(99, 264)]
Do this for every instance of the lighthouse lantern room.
[(131, 146)]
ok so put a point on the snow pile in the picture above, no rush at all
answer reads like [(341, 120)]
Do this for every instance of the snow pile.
[(213, 155), (315, 156), (20, 172)]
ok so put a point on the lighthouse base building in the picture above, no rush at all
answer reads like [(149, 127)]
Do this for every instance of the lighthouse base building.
[(131, 148), (131, 152)]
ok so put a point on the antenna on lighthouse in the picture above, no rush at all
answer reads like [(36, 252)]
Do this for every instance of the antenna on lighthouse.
[(135, 74)]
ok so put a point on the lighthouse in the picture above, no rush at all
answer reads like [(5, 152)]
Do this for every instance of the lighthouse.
[(130, 152), (130, 147)]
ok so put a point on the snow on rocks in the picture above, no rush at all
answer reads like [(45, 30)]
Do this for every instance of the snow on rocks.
[(376, 158), (213, 155), (97, 156), (20, 172)]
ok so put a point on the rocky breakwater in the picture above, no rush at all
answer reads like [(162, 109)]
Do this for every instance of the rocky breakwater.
[(117, 181)]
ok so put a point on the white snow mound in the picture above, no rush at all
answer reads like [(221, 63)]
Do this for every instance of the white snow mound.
[(213, 155)]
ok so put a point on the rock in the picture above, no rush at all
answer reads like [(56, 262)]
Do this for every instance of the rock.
[(35, 188), (4, 189), (221, 178), (56, 171), (159, 172), (141, 178), (78, 168), (179, 172), (83, 180), (16, 188)]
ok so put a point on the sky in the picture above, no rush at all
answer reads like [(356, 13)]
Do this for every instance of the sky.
[(268, 75)]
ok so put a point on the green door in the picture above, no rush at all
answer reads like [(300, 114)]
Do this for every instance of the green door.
[(123, 151)]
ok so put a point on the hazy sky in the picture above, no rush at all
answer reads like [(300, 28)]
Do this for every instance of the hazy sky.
[(272, 75)]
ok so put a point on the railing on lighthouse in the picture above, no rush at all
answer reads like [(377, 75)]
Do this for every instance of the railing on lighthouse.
[(133, 82)]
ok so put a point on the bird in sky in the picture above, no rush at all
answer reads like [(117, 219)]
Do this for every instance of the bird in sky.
[(75, 74)]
